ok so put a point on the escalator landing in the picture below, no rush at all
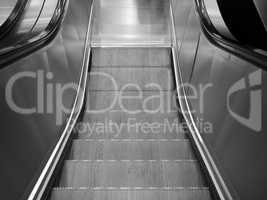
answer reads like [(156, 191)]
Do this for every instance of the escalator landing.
[(131, 23)]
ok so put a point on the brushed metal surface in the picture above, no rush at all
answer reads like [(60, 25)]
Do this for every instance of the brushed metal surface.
[(196, 194), (132, 22), (131, 150), (132, 174), (235, 147), (102, 99), (236, 144), (133, 57), (31, 140), (120, 78)]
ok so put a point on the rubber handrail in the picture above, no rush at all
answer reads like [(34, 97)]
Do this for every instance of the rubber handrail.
[(13, 18), (245, 52), (32, 44)]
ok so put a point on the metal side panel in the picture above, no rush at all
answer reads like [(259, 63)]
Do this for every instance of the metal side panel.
[(32, 118), (237, 95), (226, 110)]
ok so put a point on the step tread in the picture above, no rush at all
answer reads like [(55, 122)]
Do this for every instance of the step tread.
[(130, 150), (132, 101), (120, 116), (117, 124), (185, 173), (163, 133), (137, 3), (133, 57), (86, 194), (129, 78)]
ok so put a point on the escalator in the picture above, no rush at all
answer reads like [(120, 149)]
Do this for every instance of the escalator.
[(144, 158), (113, 118), (130, 141)]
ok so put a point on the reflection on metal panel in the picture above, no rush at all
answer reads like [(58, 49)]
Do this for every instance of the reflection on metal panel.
[(189, 45), (182, 10), (26, 146), (131, 21), (237, 147), (232, 97)]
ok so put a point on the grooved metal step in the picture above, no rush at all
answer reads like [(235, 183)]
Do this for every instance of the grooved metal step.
[(131, 150), (131, 57), (135, 4), (119, 124), (132, 101), (123, 79), (163, 132), (132, 174), (120, 116), (87, 194)]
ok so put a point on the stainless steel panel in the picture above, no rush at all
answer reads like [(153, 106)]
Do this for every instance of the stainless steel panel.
[(182, 10), (27, 140), (236, 145), (188, 45), (223, 117), (196, 194), (133, 3)]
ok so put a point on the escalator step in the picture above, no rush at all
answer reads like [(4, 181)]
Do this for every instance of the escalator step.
[(85, 131), (122, 125), (118, 116), (140, 3), (127, 78), (131, 101), (131, 174), (131, 150), (131, 57), (178, 194)]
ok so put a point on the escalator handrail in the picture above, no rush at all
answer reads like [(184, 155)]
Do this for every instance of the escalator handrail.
[(218, 187), (232, 46), (42, 185), (38, 41), (13, 18)]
